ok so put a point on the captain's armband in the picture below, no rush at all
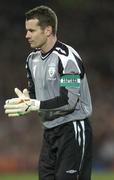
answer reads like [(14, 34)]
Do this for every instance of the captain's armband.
[(70, 80)]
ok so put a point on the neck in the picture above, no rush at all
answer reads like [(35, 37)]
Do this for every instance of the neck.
[(49, 44)]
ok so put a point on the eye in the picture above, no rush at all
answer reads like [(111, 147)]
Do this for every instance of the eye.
[(31, 30)]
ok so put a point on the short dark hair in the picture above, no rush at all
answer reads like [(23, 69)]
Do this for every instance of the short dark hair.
[(45, 15)]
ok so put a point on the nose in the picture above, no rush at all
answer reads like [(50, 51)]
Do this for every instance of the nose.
[(28, 35)]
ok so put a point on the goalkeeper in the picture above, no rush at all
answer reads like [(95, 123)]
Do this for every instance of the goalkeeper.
[(58, 89)]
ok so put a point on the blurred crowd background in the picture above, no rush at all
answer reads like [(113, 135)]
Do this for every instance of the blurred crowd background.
[(86, 25)]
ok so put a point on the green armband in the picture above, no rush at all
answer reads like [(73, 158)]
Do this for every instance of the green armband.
[(70, 80)]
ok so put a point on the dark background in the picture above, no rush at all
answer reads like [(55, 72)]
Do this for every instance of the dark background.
[(86, 25)]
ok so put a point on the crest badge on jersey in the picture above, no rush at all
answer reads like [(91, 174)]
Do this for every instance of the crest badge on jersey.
[(51, 72)]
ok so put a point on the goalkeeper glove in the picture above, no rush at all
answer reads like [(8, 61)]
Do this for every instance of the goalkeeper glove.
[(21, 105)]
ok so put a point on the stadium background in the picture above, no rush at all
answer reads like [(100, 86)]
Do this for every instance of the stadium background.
[(88, 26)]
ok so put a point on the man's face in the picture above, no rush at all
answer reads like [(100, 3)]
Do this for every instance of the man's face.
[(36, 36)]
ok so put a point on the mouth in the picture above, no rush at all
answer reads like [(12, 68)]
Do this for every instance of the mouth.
[(30, 42)]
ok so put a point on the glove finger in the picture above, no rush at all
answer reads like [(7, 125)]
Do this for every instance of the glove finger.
[(13, 101), (26, 93), (13, 111), (14, 115), (19, 93), (15, 106)]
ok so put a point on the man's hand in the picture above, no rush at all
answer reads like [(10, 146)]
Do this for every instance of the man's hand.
[(21, 105)]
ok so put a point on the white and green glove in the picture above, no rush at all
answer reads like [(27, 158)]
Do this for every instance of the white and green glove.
[(21, 105)]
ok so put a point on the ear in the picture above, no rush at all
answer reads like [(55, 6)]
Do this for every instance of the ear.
[(48, 30)]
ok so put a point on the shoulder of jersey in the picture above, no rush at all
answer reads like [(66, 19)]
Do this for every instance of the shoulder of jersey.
[(33, 53), (63, 49)]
